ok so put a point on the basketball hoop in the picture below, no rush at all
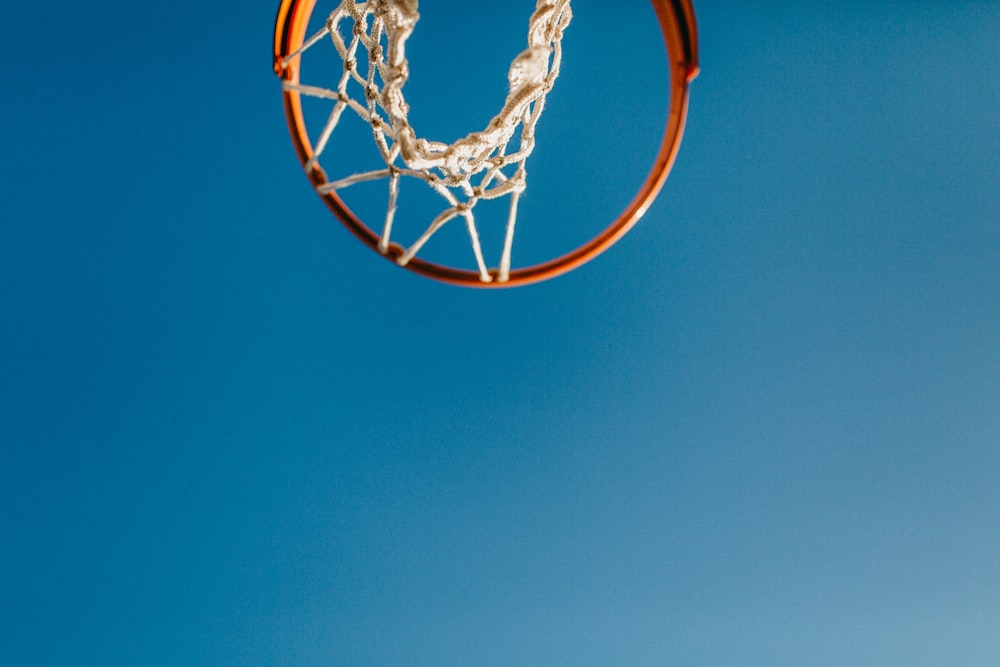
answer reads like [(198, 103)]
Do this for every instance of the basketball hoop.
[(370, 40)]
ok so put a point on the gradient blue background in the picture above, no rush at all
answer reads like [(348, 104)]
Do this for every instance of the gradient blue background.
[(762, 430)]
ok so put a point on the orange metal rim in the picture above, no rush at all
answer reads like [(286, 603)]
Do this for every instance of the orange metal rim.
[(677, 23)]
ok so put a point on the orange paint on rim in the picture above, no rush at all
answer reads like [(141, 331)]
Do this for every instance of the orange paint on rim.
[(677, 23)]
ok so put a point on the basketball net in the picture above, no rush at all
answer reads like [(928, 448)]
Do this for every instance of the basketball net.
[(370, 38)]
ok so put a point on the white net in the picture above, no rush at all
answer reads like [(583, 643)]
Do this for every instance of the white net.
[(484, 165)]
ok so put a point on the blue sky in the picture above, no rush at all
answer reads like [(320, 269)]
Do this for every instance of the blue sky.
[(764, 429)]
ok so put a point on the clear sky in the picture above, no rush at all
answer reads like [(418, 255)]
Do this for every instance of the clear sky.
[(764, 429)]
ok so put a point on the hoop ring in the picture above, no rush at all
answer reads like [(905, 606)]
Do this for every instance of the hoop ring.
[(677, 23)]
